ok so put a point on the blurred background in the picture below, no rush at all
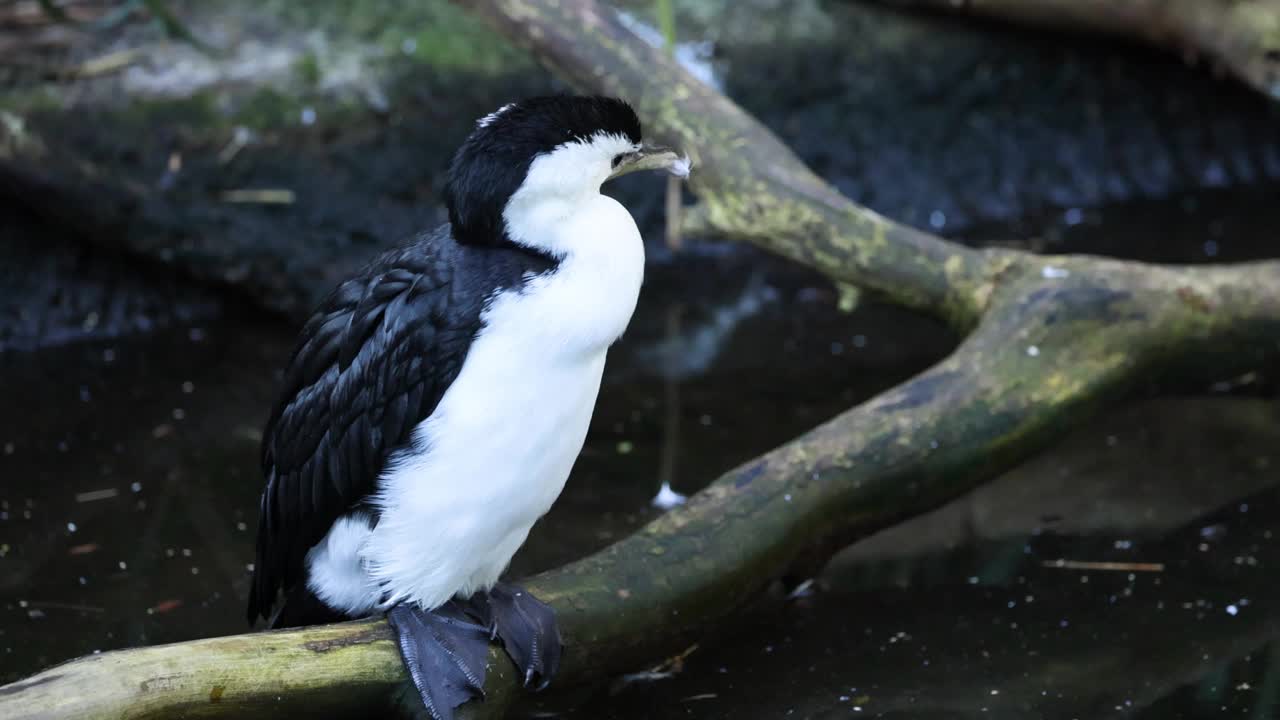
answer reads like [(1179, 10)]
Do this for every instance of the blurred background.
[(181, 181)]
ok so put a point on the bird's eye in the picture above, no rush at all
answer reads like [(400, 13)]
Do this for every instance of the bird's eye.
[(617, 159)]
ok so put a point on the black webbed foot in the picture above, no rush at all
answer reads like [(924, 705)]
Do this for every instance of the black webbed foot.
[(444, 652), (527, 628)]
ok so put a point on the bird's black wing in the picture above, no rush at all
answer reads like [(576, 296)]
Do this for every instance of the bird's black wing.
[(372, 363)]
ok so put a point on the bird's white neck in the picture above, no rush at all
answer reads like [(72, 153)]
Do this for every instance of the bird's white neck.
[(538, 220), (601, 262)]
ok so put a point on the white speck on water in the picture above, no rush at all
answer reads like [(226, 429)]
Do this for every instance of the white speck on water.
[(1210, 531), (83, 580), (933, 444), (409, 46), (308, 116), (1211, 248), (995, 692), (1232, 610), (186, 552), (1073, 216), (804, 589), (973, 579), (179, 413), (71, 527), (667, 498), (188, 387), (1033, 351), (1124, 544), (136, 487), (787, 497), (937, 219), (1215, 175), (1244, 507), (241, 526), (1053, 273), (123, 565), (195, 571)]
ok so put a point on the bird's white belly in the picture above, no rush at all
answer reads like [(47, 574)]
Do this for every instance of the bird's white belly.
[(496, 452)]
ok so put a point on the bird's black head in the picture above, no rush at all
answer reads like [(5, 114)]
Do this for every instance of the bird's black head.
[(554, 147)]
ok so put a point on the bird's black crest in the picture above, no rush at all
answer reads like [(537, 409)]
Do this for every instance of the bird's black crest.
[(489, 167)]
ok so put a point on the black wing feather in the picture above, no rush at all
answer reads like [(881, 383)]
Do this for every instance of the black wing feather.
[(370, 364)]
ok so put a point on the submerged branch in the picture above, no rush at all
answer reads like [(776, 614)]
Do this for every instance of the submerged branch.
[(1052, 339)]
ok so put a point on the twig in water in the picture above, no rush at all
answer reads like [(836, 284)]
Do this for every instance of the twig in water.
[(1112, 566), (273, 196)]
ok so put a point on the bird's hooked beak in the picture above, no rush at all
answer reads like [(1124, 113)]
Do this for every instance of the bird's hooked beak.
[(651, 157)]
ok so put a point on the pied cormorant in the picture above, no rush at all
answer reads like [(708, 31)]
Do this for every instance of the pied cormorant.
[(436, 401)]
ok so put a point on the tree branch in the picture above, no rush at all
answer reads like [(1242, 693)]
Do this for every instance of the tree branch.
[(1053, 338), (1241, 35), (749, 184)]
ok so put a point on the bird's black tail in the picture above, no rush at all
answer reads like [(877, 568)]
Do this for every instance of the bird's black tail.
[(302, 607)]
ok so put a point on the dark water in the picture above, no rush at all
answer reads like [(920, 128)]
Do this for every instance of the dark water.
[(130, 483)]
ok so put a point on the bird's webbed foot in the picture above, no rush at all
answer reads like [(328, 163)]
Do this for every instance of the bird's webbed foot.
[(527, 628), (444, 652)]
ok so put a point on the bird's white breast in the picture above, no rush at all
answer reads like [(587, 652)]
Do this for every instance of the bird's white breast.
[(496, 452)]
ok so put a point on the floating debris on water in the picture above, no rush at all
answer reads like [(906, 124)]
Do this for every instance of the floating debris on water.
[(95, 495), (668, 498), (1095, 565)]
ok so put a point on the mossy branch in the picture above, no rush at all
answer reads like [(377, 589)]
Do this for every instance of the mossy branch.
[(1051, 339)]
